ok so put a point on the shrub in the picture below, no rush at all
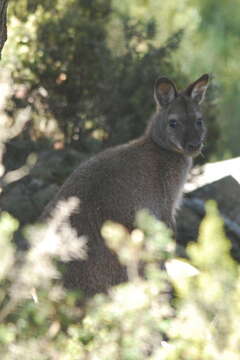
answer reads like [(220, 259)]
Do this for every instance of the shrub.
[(86, 70), (187, 311)]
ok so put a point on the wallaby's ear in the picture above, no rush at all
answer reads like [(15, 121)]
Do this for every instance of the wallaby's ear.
[(198, 89), (164, 91)]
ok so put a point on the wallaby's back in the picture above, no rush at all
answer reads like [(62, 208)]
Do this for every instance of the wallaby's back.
[(146, 173)]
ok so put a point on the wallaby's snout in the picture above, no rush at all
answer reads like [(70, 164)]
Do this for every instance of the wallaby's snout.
[(194, 148), (190, 135)]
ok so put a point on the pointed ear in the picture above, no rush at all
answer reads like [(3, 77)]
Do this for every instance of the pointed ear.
[(164, 91), (198, 89)]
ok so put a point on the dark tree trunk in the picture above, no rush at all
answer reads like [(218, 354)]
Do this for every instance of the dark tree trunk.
[(3, 23)]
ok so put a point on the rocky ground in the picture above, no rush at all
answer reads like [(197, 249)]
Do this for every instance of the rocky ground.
[(26, 198), (218, 181)]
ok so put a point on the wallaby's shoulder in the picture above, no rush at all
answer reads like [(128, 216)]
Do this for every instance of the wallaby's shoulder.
[(120, 155)]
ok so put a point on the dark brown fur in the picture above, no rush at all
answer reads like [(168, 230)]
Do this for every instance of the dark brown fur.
[(146, 173)]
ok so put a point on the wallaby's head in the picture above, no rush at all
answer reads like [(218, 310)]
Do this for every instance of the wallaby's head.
[(179, 125)]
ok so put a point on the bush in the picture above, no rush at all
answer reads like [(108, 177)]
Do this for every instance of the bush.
[(86, 70), (142, 319)]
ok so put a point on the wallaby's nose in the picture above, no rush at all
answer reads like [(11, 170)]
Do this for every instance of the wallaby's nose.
[(193, 146)]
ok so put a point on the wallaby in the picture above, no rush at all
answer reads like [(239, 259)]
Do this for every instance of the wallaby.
[(148, 173)]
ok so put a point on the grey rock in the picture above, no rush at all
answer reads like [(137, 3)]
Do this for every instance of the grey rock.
[(226, 192)]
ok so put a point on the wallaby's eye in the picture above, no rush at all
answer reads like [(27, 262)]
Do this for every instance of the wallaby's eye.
[(172, 123), (199, 122)]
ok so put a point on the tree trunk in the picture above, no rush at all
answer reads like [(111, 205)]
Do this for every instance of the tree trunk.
[(3, 23)]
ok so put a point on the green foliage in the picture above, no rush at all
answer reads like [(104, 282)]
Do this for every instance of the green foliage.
[(88, 68), (142, 319), (213, 43), (206, 326)]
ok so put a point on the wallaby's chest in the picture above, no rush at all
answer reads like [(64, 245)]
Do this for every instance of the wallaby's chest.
[(153, 182), (164, 184)]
